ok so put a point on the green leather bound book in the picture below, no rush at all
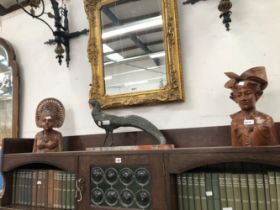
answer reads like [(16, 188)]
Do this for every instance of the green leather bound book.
[(63, 189), (185, 197), (236, 191), (39, 188), (68, 190), (23, 190), (73, 188), (267, 193), (60, 186), (260, 191), (222, 186), (202, 191), (45, 188), (209, 191), (29, 187), (180, 191), (252, 190), (277, 175), (244, 191), (197, 194), (216, 191), (19, 187), (24, 187), (190, 191), (272, 190), (34, 187), (229, 190)]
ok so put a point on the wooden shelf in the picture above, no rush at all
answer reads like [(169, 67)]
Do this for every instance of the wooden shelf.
[(163, 164)]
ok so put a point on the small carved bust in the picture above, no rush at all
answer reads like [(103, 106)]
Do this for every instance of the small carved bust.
[(250, 127), (50, 114)]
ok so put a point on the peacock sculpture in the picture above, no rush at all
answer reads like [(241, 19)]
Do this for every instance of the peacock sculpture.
[(111, 122)]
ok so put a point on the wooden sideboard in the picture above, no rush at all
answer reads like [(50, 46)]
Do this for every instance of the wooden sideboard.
[(163, 165)]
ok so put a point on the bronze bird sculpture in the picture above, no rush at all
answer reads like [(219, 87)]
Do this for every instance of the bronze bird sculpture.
[(111, 122)]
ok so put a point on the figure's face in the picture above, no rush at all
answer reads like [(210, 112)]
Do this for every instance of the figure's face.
[(245, 97), (46, 122)]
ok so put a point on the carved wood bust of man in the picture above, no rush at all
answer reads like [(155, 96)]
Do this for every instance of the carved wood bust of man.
[(250, 127), (49, 114)]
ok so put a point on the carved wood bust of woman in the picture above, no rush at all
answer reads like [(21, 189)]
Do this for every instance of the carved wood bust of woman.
[(50, 114), (250, 127)]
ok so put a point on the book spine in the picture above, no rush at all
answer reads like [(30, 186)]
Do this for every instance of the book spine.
[(202, 191), (260, 191), (222, 185), (14, 187), (34, 187), (29, 188), (209, 191), (59, 197), (277, 178), (50, 188), (21, 187), (236, 191), (55, 189), (216, 192), (24, 187), (267, 193), (229, 190), (244, 191), (180, 191), (17, 186), (272, 190), (73, 190), (63, 190), (252, 190), (39, 188), (45, 188), (68, 190), (197, 194), (190, 191)]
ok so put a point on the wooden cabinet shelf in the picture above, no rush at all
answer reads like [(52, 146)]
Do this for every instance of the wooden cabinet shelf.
[(162, 167)]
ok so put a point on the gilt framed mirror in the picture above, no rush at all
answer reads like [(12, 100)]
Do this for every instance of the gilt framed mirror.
[(134, 51), (9, 91)]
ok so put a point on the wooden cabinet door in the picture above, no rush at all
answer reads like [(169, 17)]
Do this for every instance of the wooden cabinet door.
[(121, 180)]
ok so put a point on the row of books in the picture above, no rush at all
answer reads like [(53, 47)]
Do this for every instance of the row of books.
[(44, 188), (228, 191)]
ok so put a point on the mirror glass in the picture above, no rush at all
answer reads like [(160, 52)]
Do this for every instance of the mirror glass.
[(133, 46), (8, 92), (134, 51)]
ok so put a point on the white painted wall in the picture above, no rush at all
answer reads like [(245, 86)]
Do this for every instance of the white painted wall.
[(208, 50)]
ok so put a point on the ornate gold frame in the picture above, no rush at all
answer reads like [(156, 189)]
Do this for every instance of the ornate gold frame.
[(173, 91)]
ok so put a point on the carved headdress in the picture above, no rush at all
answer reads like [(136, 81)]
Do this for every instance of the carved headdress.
[(50, 107), (254, 77)]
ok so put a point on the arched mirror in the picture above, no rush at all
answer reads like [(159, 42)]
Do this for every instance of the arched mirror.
[(134, 50), (9, 97)]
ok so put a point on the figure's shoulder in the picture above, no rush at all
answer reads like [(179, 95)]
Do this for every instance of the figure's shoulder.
[(264, 116), (236, 115), (55, 132), (40, 133)]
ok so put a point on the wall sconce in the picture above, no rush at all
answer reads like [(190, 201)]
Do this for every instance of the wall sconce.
[(224, 7), (61, 27)]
